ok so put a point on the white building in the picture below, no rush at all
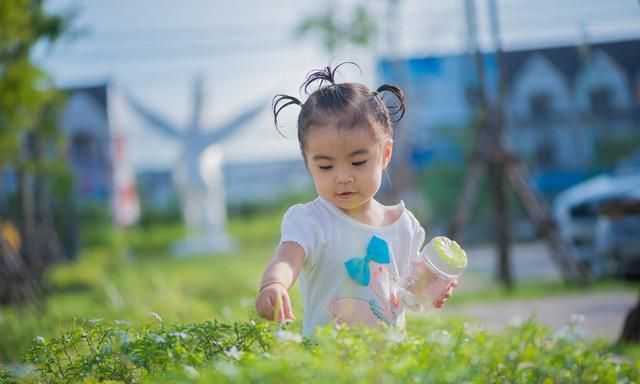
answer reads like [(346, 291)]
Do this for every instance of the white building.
[(97, 151)]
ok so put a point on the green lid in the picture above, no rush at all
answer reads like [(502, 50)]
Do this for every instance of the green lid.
[(450, 251), (446, 255)]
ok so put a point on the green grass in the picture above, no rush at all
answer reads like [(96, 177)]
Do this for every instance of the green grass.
[(132, 275), (258, 352)]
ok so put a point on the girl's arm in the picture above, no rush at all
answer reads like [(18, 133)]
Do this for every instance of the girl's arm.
[(279, 275)]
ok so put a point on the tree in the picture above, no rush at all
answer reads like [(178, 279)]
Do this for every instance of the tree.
[(360, 30), (30, 147)]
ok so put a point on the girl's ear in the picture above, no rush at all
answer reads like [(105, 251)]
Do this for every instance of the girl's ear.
[(387, 152)]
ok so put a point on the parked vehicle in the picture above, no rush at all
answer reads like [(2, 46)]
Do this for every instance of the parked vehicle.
[(578, 211), (617, 236)]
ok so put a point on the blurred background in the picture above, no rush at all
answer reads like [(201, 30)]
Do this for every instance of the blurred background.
[(140, 169)]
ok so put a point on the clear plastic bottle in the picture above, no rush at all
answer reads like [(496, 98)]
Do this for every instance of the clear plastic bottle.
[(430, 273)]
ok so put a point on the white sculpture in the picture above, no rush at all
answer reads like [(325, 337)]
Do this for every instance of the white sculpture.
[(198, 175)]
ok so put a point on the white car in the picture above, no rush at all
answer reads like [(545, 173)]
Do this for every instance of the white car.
[(617, 236), (577, 211)]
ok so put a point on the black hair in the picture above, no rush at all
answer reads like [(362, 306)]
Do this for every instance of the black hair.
[(347, 105)]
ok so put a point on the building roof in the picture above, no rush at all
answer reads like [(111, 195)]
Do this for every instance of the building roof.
[(97, 92), (568, 60)]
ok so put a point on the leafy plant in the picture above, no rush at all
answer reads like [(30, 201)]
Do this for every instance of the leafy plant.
[(262, 352)]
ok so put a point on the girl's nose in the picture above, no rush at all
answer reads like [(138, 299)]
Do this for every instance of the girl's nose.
[(344, 176)]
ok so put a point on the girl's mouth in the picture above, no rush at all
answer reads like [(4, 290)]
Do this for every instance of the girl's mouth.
[(346, 195)]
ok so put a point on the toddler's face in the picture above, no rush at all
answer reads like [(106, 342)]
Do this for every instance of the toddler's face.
[(346, 166)]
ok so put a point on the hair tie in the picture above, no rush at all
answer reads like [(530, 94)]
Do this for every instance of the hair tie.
[(374, 93), (331, 74)]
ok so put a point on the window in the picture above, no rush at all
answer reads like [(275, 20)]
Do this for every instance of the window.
[(601, 105), (540, 107), (83, 146), (541, 111)]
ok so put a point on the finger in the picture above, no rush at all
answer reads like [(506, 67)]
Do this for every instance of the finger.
[(440, 302), (286, 304), (445, 295), (278, 314), (282, 316), (266, 308)]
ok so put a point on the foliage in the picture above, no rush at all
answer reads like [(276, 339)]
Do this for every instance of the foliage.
[(150, 215), (359, 30), (121, 353), (260, 352), (140, 275), (610, 149), (121, 291), (153, 241), (24, 88), (31, 147)]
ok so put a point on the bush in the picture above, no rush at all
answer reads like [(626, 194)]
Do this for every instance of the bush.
[(262, 352)]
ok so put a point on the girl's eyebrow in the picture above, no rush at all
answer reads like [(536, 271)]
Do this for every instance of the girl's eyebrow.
[(361, 151)]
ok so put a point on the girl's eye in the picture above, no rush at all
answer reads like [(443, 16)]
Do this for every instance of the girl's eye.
[(359, 163), (325, 167)]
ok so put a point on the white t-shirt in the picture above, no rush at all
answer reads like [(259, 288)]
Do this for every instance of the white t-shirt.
[(332, 240)]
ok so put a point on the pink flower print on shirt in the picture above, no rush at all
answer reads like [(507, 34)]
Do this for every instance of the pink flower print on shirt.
[(370, 270), (384, 307)]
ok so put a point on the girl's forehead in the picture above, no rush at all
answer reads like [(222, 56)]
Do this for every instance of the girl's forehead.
[(333, 141), (319, 134)]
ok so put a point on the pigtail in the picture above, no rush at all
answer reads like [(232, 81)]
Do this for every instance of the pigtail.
[(325, 74), (397, 92), (277, 106)]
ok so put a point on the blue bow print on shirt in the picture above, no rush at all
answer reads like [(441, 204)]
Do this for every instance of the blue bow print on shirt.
[(358, 268)]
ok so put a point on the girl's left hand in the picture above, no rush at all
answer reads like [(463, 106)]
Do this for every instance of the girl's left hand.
[(440, 302)]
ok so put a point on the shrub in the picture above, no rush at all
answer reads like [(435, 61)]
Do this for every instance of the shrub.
[(262, 352)]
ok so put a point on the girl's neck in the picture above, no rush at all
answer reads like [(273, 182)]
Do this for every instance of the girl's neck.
[(370, 213)]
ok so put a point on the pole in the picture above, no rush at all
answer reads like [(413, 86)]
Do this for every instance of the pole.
[(498, 158)]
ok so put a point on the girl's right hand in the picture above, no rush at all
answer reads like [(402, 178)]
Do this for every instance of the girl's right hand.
[(273, 303)]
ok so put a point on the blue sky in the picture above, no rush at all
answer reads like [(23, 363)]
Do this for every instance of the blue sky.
[(246, 50)]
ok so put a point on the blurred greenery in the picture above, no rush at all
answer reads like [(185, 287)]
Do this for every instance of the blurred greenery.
[(254, 351), (442, 183), (123, 280), (611, 149), (359, 30), (125, 274), (126, 279), (32, 151)]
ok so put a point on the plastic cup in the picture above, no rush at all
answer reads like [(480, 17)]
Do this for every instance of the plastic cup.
[(430, 273)]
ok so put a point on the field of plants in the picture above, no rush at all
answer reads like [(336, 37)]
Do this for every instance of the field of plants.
[(127, 311)]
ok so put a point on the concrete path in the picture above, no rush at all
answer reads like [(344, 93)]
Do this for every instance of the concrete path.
[(603, 311)]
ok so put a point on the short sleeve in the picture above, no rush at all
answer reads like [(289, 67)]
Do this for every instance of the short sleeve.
[(417, 240), (298, 227)]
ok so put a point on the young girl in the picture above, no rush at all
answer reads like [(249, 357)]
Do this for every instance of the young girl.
[(348, 249)]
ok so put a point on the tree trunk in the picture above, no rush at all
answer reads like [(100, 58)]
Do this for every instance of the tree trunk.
[(27, 221), (21, 270), (17, 286), (501, 222), (49, 248)]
